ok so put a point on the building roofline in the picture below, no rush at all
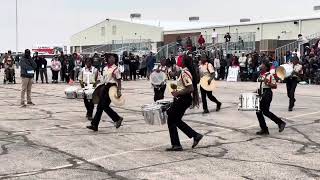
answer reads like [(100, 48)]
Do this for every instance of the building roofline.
[(115, 20)]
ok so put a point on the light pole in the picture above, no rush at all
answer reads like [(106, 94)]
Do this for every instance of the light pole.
[(17, 38)]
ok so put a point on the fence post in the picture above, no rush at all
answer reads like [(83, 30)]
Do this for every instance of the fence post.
[(167, 52)]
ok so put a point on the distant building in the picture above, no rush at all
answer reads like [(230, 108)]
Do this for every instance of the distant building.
[(112, 35)]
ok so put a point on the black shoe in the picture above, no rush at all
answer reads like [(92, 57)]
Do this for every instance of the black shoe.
[(175, 148), (282, 126), (31, 103), (219, 106), (290, 109), (92, 128), (263, 133), (196, 140), (118, 123), (206, 112)]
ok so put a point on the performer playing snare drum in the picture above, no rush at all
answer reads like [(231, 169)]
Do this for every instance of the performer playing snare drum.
[(111, 77), (268, 83), (88, 79), (160, 89)]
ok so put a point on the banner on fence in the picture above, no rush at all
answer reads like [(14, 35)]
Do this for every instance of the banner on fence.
[(233, 74)]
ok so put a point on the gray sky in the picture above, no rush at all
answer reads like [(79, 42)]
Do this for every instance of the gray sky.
[(52, 22)]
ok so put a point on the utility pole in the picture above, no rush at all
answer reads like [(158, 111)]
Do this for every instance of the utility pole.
[(17, 32)]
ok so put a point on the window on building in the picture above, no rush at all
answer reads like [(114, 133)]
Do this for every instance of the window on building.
[(114, 29), (103, 31)]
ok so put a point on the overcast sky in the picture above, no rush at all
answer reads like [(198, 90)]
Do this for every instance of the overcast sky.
[(49, 22)]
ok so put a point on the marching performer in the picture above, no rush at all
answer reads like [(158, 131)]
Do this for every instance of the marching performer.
[(182, 101), (292, 82), (88, 79), (267, 83), (206, 69), (111, 77), (159, 90)]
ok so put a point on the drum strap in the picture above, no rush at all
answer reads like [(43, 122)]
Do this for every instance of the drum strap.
[(187, 73)]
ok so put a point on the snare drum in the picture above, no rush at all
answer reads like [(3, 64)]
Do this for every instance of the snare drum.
[(165, 103), (71, 92), (88, 93), (249, 102), (80, 94), (154, 114)]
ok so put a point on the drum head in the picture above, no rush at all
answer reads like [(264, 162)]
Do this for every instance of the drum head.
[(157, 78), (205, 85)]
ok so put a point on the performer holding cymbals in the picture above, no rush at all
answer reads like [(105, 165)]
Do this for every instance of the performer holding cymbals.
[(111, 79), (182, 101), (207, 84), (88, 79), (267, 83), (292, 82)]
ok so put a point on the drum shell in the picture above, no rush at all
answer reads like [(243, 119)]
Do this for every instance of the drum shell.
[(71, 93), (89, 93), (249, 102), (80, 94), (154, 114)]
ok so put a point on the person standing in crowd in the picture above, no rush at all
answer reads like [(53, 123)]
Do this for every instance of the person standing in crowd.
[(216, 63), (143, 67), (134, 63), (55, 68), (292, 82), (201, 42), (43, 69), (151, 60), (62, 59), (243, 67), (182, 101), (126, 63), (267, 83), (78, 65), (206, 69), (8, 63), (88, 78), (111, 77), (17, 60), (37, 59), (28, 66), (189, 44), (304, 42), (223, 64), (160, 89), (179, 41), (214, 37), (227, 37)]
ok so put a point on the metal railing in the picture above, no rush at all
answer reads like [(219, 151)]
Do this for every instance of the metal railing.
[(119, 45), (280, 52)]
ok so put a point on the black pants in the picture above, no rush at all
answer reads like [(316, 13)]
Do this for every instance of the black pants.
[(291, 89), (37, 74), (265, 110), (62, 75), (43, 72), (143, 72), (133, 73), (104, 105), (159, 93), (204, 95), (89, 106), (55, 75), (175, 114), (222, 72)]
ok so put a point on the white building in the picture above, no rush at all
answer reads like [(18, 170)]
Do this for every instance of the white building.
[(112, 34)]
